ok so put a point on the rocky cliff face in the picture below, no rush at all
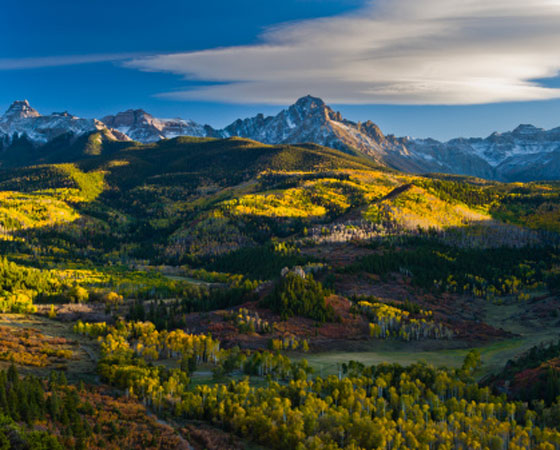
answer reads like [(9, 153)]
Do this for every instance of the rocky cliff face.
[(143, 127), (20, 109)]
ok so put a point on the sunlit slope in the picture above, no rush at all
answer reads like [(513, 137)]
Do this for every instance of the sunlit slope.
[(192, 197), (146, 192), (412, 207), (44, 196), (284, 203)]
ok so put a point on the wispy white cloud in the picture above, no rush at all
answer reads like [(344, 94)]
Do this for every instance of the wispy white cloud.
[(390, 51), (65, 60)]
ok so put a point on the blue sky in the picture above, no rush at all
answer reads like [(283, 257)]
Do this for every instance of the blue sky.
[(440, 68)]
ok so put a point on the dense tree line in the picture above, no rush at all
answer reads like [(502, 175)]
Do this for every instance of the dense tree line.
[(480, 272), (130, 352), (49, 414), (14, 277), (379, 407), (247, 322), (294, 295), (169, 314), (25, 400), (387, 321), (287, 180), (534, 375), (259, 263), (465, 192)]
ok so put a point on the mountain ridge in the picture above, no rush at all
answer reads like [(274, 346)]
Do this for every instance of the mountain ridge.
[(21, 121), (143, 127), (527, 153)]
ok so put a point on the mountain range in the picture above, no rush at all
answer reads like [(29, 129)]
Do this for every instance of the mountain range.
[(524, 154)]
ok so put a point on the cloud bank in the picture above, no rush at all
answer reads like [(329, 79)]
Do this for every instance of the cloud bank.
[(390, 51)]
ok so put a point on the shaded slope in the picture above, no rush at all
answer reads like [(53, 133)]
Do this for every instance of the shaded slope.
[(225, 161)]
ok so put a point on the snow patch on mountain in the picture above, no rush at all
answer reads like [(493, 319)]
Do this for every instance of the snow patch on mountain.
[(526, 153), (143, 127), (21, 120)]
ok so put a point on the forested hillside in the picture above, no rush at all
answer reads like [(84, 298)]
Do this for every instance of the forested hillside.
[(222, 293)]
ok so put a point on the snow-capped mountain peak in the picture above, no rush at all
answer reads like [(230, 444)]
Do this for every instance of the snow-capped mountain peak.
[(526, 153), (23, 122), (309, 119), (526, 129), (20, 109), (308, 104)]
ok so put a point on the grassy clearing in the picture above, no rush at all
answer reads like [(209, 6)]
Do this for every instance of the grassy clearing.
[(327, 363), (493, 356), (513, 317), (191, 280), (510, 317)]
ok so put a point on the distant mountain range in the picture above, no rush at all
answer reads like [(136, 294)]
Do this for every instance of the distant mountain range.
[(22, 121), (524, 154)]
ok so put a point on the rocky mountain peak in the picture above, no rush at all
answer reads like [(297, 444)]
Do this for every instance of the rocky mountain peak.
[(22, 122), (20, 109), (141, 126), (309, 103), (313, 107), (371, 129), (526, 153), (525, 129), (128, 118)]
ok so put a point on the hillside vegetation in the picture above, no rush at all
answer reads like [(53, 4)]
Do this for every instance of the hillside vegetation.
[(196, 276)]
